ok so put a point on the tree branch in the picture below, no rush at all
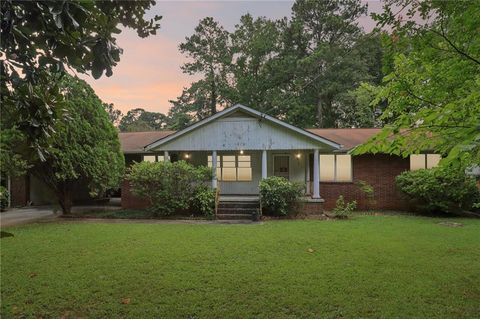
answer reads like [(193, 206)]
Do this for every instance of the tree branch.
[(442, 34)]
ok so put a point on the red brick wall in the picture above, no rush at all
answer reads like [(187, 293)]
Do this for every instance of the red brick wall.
[(130, 201), (19, 191), (310, 208), (379, 171)]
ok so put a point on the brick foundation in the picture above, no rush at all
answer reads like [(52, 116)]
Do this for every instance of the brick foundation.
[(309, 207), (130, 201), (379, 171)]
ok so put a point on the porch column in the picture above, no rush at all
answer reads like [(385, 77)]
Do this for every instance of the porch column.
[(165, 156), (307, 164), (264, 164), (316, 175), (214, 169)]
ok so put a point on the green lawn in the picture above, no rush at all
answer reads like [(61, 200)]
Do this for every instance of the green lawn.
[(368, 267)]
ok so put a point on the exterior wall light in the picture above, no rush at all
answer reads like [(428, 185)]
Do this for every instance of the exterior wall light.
[(298, 155), (187, 156), (241, 152)]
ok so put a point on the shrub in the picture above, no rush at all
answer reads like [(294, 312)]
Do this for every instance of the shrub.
[(278, 195), (439, 189), (169, 187), (344, 209), (204, 201), (369, 193), (4, 195)]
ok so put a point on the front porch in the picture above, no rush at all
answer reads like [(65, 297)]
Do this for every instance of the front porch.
[(239, 172)]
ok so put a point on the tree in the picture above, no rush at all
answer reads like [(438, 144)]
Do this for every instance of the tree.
[(255, 76), (138, 119), (328, 60), (84, 147), (358, 107), (113, 114), (209, 50), (39, 38), (433, 90)]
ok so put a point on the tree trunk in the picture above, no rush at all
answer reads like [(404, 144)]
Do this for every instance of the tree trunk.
[(320, 115), (213, 99), (65, 198)]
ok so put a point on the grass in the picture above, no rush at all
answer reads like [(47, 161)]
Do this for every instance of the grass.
[(368, 267), (128, 214)]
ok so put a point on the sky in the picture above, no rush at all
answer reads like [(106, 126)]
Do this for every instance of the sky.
[(149, 75)]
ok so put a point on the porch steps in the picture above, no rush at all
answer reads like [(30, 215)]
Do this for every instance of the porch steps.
[(237, 208)]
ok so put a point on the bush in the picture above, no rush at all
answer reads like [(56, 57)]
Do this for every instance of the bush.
[(204, 201), (4, 195), (344, 209), (369, 193), (439, 189), (278, 195), (169, 187)]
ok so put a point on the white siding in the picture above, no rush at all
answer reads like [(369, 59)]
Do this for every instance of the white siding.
[(241, 133)]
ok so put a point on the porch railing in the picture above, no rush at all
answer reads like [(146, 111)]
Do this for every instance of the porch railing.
[(217, 198)]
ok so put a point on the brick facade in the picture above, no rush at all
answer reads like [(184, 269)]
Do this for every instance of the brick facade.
[(309, 208), (130, 201), (377, 170)]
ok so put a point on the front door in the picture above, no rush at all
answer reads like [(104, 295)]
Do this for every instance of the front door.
[(281, 166)]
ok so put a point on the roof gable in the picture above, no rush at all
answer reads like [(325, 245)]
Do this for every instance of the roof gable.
[(278, 130)]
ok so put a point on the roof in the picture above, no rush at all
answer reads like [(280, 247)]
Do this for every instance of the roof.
[(250, 111), (348, 137), (134, 142)]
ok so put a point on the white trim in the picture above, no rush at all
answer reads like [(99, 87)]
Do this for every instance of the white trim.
[(249, 111)]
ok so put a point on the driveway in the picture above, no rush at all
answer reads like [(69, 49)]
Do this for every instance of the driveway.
[(17, 216)]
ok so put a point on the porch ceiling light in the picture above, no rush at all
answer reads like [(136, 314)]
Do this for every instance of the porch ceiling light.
[(241, 152)]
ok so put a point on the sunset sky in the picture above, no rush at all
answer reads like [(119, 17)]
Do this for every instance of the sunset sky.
[(149, 73)]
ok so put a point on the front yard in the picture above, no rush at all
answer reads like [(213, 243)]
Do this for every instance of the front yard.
[(369, 267)]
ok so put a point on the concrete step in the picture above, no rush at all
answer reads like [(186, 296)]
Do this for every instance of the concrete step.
[(238, 204), (234, 216), (231, 210)]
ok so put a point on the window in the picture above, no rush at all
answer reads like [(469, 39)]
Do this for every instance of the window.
[(153, 158), (335, 168), (233, 168), (149, 158), (423, 161), (244, 170)]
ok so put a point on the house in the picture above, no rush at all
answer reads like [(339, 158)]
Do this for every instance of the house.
[(243, 145)]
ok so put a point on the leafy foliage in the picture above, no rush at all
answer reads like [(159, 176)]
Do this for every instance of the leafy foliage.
[(170, 187), (204, 201), (113, 114), (40, 40), (439, 189), (84, 147), (4, 196), (138, 119), (433, 89), (278, 195), (344, 209), (297, 69)]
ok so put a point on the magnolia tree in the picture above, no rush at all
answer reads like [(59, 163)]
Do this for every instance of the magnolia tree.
[(84, 146)]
